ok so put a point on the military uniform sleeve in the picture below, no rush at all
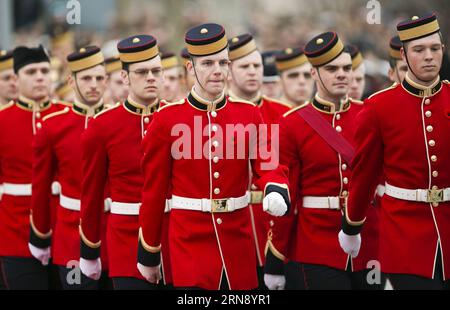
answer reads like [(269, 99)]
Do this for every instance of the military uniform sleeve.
[(44, 170), (268, 173), (156, 167), (367, 168), (95, 171), (280, 234)]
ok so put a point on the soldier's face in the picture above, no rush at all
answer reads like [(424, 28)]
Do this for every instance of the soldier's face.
[(298, 83), (117, 88), (171, 85), (335, 76), (358, 83), (424, 56), (8, 85), (212, 72), (90, 83), (34, 81), (145, 79), (397, 74), (247, 73), (272, 89)]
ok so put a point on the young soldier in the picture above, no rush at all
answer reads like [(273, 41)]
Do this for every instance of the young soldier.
[(117, 90), (358, 83), (19, 122), (57, 149), (8, 80), (211, 244), (315, 143), (171, 91), (111, 152), (404, 132), (398, 66), (296, 79)]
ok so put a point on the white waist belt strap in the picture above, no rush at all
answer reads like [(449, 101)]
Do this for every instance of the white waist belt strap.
[(75, 204), (124, 208), (17, 189), (332, 202), (208, 205), (418, 195)]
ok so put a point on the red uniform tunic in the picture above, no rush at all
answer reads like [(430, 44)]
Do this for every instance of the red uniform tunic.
[(405, 133), (189, 149), (309, 234), (111, 152), (18, 125), (57, 150)]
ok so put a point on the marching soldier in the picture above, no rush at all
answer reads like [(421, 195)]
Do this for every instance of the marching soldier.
[(57, 149), (111, 153), (271, 86), (117, 90), (188, 80), (19, 122), (246, 72), (398, 66), (8, 80), (316, 145), (295, 73), (358, 83), (404, 131), (171, 91), (211, 244)]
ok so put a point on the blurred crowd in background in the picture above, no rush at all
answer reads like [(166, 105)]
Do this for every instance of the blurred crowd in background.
[(274, 24)]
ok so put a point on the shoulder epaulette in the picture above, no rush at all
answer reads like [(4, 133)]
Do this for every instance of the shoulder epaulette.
[(62, 112), (295, 109), (7, 106), (235, 100), (170, 104), (383, 90), (65, 103), (356, 101), (118, 104), (278, 102)]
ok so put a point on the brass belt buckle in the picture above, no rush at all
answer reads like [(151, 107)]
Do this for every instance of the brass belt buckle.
[(435, 195), (219, 206), (256, 197)]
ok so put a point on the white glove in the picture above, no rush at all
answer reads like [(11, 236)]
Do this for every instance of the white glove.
[(56, 188), (151, 274), (42, 255), (274, 204), (350, 244), (274, 281), (91, 268)]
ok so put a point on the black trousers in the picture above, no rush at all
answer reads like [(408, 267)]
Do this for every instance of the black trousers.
[(319, 277), (74, 279), (128, 283), (24, 274), (295, 279), (2, 281), (413, 282)]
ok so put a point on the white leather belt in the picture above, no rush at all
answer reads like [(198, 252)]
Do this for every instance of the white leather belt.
[(208, 205), (124, 208), (332, 202), (381, 190), (17, 189), (75, 204), (419, 195)]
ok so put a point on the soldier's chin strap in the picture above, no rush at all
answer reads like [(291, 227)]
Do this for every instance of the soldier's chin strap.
[(198, 81), (78, 89), (410, 68), (324, 87)]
